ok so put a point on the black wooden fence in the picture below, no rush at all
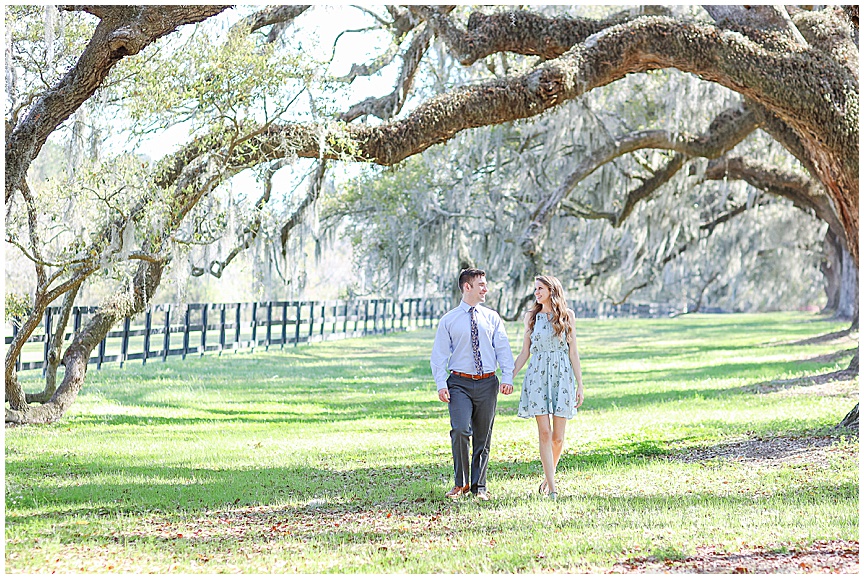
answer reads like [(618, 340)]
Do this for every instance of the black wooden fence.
[(184, 329), (590, 309)]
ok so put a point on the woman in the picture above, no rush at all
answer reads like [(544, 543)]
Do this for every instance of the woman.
[(547, 389)]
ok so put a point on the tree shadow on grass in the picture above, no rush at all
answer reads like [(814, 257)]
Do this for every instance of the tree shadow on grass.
[(790, 447), (801, 381), (419, 487), (277, 413), (832, 357), (829, 337)]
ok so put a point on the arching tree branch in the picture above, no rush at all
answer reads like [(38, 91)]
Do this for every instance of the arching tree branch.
[(727, 130), (804, 192), (272, 15), (122, 31), (387, 106), (518, 31)]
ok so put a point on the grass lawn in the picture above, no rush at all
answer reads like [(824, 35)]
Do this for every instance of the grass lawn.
[(334, 457)]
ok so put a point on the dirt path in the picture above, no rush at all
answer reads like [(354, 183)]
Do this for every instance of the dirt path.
[(821, 557)]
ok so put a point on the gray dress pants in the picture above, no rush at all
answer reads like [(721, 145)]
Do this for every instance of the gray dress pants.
[(472, 413)]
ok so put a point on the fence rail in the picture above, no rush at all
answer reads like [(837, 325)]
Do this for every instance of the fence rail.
[(183, 329)]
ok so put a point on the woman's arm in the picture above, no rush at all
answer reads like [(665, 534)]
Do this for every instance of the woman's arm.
[(523, 356), (574, 359)]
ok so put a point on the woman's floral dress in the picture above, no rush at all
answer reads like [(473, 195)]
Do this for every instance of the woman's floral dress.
[(549, 384)]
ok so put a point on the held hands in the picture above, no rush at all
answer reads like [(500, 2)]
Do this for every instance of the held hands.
[(444, 393)]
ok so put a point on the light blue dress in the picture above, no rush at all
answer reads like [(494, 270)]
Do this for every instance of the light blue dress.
[(549, 384)]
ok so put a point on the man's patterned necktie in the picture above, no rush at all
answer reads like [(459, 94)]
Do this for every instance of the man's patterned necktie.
[(475, 343)]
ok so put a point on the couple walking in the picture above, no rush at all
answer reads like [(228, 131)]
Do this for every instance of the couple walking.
[(471, 342)]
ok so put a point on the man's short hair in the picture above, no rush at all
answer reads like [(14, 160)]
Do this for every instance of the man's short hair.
[(468, 276)]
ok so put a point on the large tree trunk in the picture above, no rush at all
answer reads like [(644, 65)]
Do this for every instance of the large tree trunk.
[(847, 307), (841, 278), (832, 269), (55, 349), (851, 419), (145, 282)]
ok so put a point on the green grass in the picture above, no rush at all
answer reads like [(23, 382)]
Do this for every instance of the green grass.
[(334, 457)]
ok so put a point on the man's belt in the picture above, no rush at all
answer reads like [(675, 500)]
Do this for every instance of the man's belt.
[(473, 376)]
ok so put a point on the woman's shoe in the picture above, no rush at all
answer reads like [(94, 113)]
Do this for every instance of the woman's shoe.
[(544, 488), (553, 496)]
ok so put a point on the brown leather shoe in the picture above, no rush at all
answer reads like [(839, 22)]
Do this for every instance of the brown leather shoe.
[(482, 495), (457, 492)]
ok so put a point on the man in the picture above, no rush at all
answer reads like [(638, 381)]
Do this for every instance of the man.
[(471, 342)]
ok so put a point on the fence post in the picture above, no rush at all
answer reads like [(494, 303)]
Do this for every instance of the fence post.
[(366, 317), (269, 324), (297, 307), (16, 321), (101, 355), (345, 318), (76, 319), (356, 315), (166, 339), (284, 325), (335, 316), (311, 318), (254, 325), (186, 331), (221, 327), (204, 321), (148, 324), (49, 319), (124, 340), (323, 318), (237, 326)]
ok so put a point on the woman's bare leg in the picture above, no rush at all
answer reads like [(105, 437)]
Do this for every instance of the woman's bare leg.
[(547, 458), (559, 425)]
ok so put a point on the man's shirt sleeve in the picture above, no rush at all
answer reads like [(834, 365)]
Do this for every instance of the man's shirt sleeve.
[(440, 355), (503, 352)]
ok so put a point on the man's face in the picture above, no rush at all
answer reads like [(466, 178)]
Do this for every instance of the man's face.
[(475, 292)]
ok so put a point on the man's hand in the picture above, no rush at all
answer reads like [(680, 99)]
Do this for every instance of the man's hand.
[(444, 395), (506, 388)]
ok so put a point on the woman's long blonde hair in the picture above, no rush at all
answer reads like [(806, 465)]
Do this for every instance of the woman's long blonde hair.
[(560, 317)]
